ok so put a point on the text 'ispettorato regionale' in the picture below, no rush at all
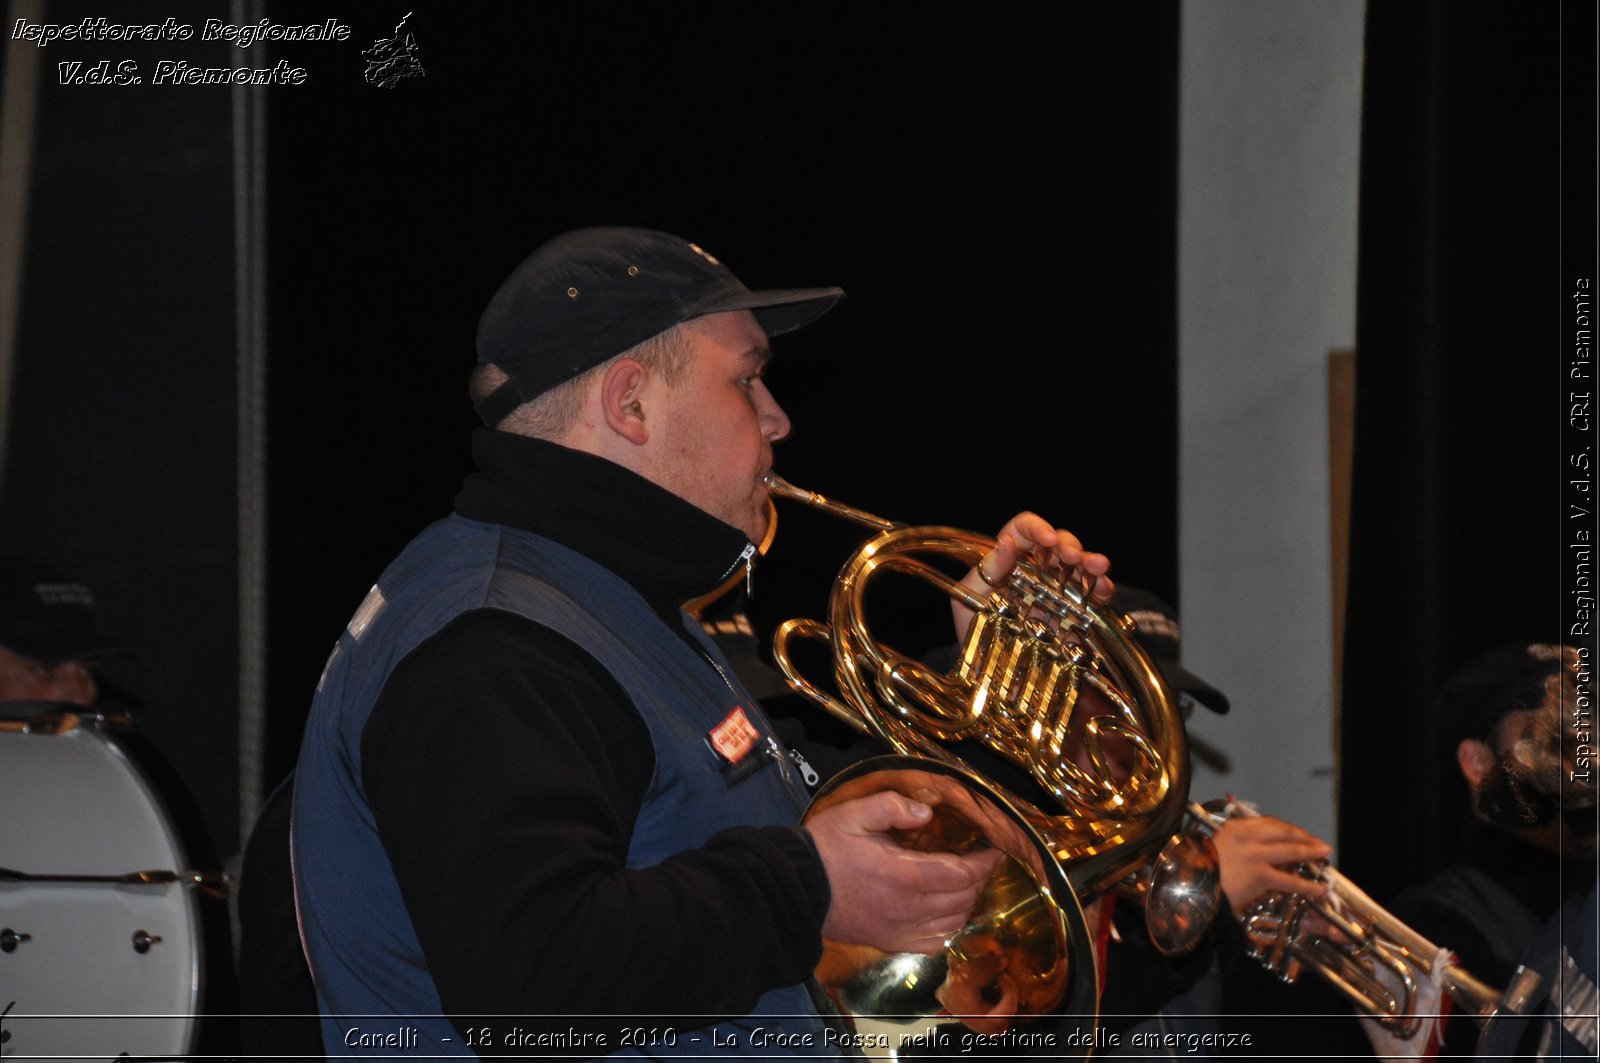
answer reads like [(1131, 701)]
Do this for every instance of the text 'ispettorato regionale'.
[(175, 71)]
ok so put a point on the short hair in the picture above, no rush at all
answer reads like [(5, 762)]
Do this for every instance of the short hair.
[(1519, 677), (550, 414)]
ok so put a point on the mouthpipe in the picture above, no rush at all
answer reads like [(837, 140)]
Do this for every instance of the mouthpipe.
[(781, 488)]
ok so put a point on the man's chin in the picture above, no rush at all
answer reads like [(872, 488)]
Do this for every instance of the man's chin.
[(756, 527)]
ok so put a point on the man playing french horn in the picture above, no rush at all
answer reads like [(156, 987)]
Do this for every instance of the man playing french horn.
[(535, 811), (528, 787)]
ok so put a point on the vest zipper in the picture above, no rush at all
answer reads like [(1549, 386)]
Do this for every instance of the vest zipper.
[(774, 751), (807, 772)]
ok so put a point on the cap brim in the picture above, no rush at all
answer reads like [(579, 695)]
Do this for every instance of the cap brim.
[(782, 310), (1181, 679)]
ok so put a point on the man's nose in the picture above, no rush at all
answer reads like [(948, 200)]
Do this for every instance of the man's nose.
[(774, 422)]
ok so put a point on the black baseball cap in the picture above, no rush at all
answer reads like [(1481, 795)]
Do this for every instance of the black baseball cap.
[(590, 294), (46, 616), (1155, 625)]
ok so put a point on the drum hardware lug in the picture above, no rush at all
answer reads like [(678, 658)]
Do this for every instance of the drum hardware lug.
[(142, 940), (10, 939)]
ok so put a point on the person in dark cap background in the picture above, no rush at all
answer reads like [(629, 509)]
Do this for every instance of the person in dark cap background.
[(1149, 993), (529, 785), (49, 639), (1254, 850)]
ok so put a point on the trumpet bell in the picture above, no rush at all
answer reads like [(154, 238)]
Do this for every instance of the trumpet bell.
[(1024, 955), (1182, 894)]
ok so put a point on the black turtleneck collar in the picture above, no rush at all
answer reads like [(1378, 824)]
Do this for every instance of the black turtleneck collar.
[(669, 550)]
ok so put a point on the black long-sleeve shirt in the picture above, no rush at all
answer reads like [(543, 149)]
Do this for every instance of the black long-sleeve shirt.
[(505, 769), (1536, 878)]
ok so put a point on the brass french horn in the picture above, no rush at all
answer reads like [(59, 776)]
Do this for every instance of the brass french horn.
[(1057, 688)]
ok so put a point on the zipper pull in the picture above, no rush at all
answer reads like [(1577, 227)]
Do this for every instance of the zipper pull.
[(748, 557), (774, 753), (807, 772)]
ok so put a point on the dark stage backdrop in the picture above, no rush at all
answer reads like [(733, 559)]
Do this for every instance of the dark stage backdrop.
[(120, 459), (994, 185), (1478, 117)]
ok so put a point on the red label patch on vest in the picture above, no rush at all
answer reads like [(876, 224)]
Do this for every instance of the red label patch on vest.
[(734, 737)]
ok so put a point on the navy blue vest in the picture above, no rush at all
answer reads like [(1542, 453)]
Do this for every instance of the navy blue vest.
[(364, 952)]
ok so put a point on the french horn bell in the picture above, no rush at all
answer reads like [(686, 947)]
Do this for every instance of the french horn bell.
[(1068, 752)]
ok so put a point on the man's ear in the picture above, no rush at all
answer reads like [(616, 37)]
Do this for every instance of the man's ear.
[(1475, 759), (620, 389)]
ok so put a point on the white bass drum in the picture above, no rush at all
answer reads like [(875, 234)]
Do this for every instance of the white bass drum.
[(100, 928)]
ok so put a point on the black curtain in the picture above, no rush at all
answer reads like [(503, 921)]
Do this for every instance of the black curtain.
[(1476, 118), (120, 461), (993, 185)]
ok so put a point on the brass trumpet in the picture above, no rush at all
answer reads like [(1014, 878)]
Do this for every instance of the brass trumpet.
[(1055, 686), (1381, 966)]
